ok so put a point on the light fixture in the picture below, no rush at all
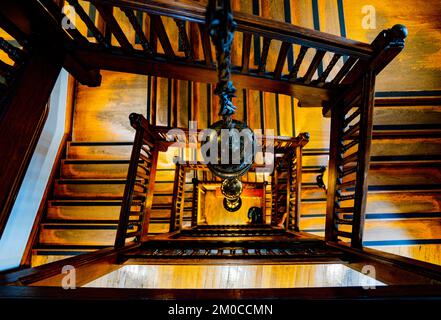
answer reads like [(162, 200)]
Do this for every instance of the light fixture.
[(235, 141)]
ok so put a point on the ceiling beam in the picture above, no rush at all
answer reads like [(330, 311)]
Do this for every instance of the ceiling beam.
[(116, 60)]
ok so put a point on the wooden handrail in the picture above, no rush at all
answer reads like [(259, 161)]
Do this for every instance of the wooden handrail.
[(146, 147), (286, 32)]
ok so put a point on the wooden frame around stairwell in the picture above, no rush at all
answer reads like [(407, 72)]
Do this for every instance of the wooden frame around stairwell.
[(352, 88), (55, 172)]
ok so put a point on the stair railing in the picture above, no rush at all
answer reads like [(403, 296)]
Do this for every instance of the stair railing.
[(286, 181), (138, 193), (350, 142)]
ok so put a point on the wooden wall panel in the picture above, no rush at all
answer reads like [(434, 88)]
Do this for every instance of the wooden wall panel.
[(419, 65), (310, 120), (425, 252), (215, 213), (102, 114), (231, 276)]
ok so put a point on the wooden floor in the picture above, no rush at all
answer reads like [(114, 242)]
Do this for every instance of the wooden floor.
[(233, 276)]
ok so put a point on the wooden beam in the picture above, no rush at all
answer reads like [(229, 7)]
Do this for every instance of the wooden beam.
[(294, 296), (90, 78), (49, 30), (267, 28), (88, 267), (116, 61), (391, 269), (24, 115)]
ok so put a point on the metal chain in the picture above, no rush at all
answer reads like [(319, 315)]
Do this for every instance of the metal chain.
[(221, 25)]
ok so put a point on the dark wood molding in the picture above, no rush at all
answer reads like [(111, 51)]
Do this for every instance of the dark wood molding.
[(117, 61), (253, 24), (16, 149)]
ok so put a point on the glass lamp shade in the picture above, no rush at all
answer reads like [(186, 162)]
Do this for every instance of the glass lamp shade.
[(231, 188), (236, 148)]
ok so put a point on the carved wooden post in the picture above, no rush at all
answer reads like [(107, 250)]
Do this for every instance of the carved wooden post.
[(140, 182), (124, 216), (350, 142)]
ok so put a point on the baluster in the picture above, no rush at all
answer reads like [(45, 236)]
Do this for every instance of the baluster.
[(344, 70), (264, 55), (246, 50), (206, 45), (281, 59), (138, 30), (322, 78), (295, 69), (12, 52), (188, 50), (157, 26), (313, 66), (107, 13), (89, 23)]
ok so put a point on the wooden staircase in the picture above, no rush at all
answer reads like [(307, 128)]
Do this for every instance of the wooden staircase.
[(83, 211), (236, 243), (403, 198)]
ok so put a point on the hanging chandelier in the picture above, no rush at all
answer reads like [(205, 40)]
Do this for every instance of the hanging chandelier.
[(235, 141)]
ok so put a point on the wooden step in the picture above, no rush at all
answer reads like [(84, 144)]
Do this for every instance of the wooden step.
[(408, 146), (399, 131), (94, 169), (401, 175), (390, 174), (77, 234), (85, 234), (105, 169), (106, 189), (385, 229), (99, 150), (89, 188), (96, 210), (407, 115), (385, 203)]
